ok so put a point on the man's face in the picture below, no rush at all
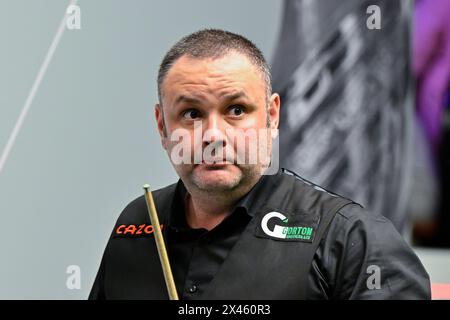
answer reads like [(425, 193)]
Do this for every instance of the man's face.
[(220, 98)]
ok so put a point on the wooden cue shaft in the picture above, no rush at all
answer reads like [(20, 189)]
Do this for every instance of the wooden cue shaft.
[(162, 252)]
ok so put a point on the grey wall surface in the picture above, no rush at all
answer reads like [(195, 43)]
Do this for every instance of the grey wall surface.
[(89, 141)]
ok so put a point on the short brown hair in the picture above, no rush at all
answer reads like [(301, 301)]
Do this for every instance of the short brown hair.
[(214, 43)]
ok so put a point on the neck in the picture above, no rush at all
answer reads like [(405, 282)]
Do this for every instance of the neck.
[(208, 209)]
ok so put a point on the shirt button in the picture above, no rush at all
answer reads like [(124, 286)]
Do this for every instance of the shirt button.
[(193, 289)]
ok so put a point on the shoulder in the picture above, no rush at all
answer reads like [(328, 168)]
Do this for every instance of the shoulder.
[(354, 221), (302, 195), (136, 211), (357, 231), (359, 242)]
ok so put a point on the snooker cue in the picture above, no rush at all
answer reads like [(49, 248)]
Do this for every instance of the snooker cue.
[(162, 252)]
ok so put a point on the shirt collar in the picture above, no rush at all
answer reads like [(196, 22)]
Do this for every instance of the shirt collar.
[(251, 202)]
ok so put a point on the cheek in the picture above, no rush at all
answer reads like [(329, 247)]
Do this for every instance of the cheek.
[(258, 119), (183, 143)]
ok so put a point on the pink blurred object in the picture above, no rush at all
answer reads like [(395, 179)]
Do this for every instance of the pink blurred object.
[(440, 291), (431, 63)]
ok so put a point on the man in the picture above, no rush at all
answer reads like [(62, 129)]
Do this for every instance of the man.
[(232, 230)]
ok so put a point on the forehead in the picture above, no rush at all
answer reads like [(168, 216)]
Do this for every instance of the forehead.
[(219, 76)]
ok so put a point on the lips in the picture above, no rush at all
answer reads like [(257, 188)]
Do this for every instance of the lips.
[(216, 163)]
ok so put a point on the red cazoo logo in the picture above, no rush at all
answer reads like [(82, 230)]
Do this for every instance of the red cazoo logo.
[(133, 230)]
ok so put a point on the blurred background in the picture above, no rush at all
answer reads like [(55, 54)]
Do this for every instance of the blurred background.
[(365, 91)]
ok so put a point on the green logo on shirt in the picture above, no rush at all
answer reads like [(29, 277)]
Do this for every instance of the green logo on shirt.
[(284, 231)]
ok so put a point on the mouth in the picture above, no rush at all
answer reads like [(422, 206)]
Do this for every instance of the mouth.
[(216, 164)]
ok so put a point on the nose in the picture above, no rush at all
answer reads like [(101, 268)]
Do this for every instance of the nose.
[(214, 131)]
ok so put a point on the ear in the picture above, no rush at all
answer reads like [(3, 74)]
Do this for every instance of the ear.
[(274, 110), (159, 116)]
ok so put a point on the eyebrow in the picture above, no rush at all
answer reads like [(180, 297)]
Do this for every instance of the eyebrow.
[(234, 96), (192, 100), (187, 99)]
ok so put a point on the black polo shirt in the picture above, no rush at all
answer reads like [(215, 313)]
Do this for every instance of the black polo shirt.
[(197, 254), (355, 242)]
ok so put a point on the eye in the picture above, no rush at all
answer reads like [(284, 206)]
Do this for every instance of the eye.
[(191, 114), (236, 111)]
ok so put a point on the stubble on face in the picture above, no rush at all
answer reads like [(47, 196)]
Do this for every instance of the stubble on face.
[(231, 177)]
